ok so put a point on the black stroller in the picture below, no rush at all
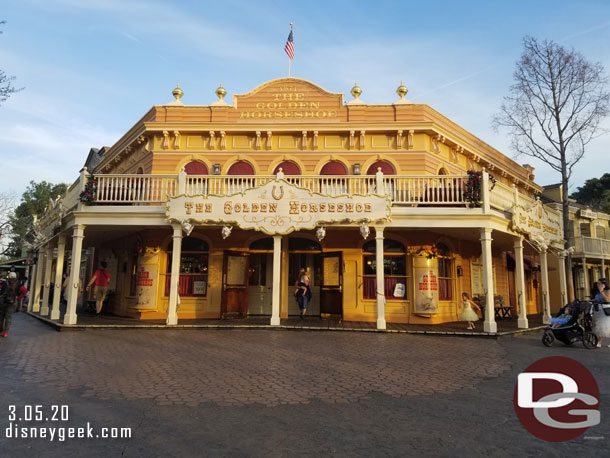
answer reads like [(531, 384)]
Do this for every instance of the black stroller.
[(578, 328)]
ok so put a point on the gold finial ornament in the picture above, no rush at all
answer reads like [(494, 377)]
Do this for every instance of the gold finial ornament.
[(402, 90), (220, 92), (356, 91), (177, 93)]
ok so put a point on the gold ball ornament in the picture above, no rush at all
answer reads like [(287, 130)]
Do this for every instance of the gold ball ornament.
[(356, 91), (220, 92), (177, 93)]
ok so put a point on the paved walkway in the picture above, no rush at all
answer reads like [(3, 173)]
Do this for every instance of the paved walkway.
[(255, 393)]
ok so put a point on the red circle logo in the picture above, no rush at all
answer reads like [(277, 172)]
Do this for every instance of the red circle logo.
[(557, 399)]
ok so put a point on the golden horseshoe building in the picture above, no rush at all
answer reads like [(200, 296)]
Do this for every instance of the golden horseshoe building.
[(209, 211)]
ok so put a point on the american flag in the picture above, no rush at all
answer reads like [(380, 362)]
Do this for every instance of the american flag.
[(289, 48)]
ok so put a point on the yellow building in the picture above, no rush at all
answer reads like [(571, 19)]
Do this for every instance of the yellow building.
[(204, 211)]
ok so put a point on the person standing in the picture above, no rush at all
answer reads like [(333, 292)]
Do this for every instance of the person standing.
[(101, 278), (468, 314), (303, 292), (8, 300), (601, 322)]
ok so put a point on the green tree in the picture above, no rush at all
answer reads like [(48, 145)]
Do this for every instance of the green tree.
[(595, 193), (33, 202)]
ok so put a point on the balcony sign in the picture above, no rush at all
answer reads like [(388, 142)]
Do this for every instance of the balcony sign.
[(278, 207), (539, 225)]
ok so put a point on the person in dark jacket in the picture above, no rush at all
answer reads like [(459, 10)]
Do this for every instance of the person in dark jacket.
[(8, 300)]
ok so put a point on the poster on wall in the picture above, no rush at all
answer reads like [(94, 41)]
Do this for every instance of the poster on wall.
[(147, 285), (425, 272), (199, 288)]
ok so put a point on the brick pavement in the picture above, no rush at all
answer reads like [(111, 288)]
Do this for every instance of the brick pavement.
[(240, 367)]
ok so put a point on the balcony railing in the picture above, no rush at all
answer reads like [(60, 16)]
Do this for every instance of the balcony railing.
[(403, 190), (591, 246)]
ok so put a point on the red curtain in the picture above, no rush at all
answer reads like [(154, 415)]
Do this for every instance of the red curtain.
[(196, 168), (288, 168), (386, 168), (241, 168), (333, 168)]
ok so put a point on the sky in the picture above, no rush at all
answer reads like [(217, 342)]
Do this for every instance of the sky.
[(91, 69)]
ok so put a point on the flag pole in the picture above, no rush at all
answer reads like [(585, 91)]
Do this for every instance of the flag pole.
[(289, 59)]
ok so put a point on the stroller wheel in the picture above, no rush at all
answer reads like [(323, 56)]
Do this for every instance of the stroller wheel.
[(589, 340), (548, 338)]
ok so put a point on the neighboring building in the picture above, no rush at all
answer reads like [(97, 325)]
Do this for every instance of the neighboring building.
[(219, 205), (591, 241)]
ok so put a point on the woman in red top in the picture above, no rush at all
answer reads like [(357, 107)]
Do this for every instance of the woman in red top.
[(101, 278)]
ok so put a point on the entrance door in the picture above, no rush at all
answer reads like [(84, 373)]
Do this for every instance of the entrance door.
[(331, 289), (235, 284), (260, 283)]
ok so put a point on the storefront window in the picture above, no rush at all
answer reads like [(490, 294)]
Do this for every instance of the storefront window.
[(193, 280), (445, 273), (394, 270)]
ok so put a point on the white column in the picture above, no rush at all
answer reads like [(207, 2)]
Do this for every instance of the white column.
[(544, 274), (585, 272), (59, 273), (277, 283), (34, 302), (518, 248), (44, 308), (563, 287), (488, 281), (604, 269), (74, 282), (381, 323), (172, 314), (485, 198)]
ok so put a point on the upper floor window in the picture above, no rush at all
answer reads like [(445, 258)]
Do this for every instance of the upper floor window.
[(196, 168), (333, 168), (240, 168), (288, 168), (386, 168)]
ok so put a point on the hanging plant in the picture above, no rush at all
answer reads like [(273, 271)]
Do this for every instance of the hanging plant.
[(472, 188), (88, 195)]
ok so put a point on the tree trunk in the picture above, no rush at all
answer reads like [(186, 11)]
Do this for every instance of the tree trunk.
[(566, 235)]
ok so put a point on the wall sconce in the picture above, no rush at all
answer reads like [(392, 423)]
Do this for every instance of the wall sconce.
[(216, 169), (460, 271), (356, 169)]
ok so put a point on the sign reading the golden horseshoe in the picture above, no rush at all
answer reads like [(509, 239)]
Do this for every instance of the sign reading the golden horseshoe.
[(279, 207)]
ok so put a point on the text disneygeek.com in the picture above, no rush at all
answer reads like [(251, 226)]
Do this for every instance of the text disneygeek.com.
[(25, 423)]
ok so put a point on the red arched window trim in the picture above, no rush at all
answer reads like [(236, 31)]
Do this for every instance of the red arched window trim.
[(288, 168), (386, 168), (196, 168), (333, 168), (240, 168)]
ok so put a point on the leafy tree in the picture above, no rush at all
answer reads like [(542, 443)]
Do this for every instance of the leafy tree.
[(33, 202), (553, 110), (595, 193), (6, 82)]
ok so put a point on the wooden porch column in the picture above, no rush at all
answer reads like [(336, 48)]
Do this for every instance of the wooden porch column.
[(277, 283), (585, 272), (563, 288), (172, 306), (488, 281), (74, 282), (34, 304), (59, 273), (381, 323), (518, 248), (544, 277), (44, 308)]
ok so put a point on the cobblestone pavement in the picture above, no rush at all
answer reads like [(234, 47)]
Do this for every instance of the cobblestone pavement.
[(281, 393)]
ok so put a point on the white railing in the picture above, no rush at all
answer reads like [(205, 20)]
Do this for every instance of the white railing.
[(591, 246), (135, 189), (502, 197), (429, 190), (72, 196)]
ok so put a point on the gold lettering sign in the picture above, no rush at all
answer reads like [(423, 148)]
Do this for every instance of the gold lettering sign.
[(278, 207), (538, 223), (289, 99)]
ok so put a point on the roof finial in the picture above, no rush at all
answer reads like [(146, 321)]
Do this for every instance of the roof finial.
[(356, 91), (220, 92), (402, 90), (177, 93)]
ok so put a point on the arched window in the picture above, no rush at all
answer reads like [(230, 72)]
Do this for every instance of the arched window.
[(196, 168), (265, 244), (333, 168), (443, 171), (394, 268), (445, 272), (288, 168), (240, 168), (140, 171), (386, 168), (194, 256)]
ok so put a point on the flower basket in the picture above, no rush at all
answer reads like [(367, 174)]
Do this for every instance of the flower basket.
[(89, 194)]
